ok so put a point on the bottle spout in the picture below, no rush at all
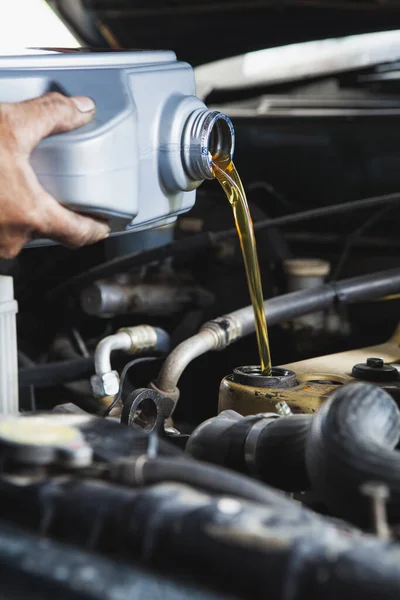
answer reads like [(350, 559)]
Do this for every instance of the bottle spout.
[(208, 135)]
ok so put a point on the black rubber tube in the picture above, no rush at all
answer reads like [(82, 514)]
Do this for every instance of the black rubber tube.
[(352, 441), (296, 304), (270, 449), (279, 309), (280, 453), (348, 291), (253, 551), (58, 373), (187, 246), (66, 371), (61, 571), (203, 241), (215, 480)]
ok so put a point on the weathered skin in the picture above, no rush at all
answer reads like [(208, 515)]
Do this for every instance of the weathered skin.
[(26, 209)]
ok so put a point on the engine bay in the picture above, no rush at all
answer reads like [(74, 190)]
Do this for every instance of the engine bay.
[(149, 446), (146, 451)]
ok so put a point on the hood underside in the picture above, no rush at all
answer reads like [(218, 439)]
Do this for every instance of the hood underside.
[(201, 31)]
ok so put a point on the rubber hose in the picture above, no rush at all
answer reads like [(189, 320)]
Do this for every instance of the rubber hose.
[(216, 480), (66, 371), (63, 572), (58, 373), (347, 291), (296, 304), (352, 441), (163, 341), (276, 456), (186, 247), (253, 551), (202, 242), (221, 440), (280, 453)]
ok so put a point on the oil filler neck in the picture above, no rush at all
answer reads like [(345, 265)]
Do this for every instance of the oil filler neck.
[(252, 377)]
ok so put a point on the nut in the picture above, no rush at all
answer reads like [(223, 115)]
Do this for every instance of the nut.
[(106, 384), (283, 409), (375, 363)]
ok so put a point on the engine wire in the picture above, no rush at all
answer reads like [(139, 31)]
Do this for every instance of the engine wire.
[(355, 235), (206, 240), (125, 370)]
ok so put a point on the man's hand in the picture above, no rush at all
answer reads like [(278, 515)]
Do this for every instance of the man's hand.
[(26, 209)]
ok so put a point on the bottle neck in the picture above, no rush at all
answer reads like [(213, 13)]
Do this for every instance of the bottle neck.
[(208, 135)]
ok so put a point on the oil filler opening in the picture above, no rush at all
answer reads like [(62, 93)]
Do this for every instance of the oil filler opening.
[(252, 376)]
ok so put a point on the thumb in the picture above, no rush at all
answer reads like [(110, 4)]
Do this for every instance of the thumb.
[(33, 120)]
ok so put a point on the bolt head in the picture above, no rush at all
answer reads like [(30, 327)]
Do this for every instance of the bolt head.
[(106, 384), (375, 363), (375, 490)]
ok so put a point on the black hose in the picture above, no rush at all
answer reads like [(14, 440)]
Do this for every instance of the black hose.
[(187, 246), (64, 572), (204, 241), (280, 453), (349, 291), (58, 373), (357, 234), (67, 371), (250, 550), (352, 441), (326, 211), (269, 448), (278, 309), (214, 480)]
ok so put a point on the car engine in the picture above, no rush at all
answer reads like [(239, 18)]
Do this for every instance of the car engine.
[(150, 457), (143, 452)]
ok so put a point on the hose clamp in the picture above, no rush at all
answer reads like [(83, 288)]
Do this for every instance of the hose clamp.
[(250, 445), (225, 329), (143, 337)]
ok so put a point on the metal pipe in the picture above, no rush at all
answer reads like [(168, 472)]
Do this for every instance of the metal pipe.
[(133, 340), (180, 358), (221, 332), (102, 356)]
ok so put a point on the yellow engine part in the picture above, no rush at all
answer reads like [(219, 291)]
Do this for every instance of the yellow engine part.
[(317, 379)]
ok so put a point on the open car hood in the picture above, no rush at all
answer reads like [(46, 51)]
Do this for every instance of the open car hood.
[(202, 31)]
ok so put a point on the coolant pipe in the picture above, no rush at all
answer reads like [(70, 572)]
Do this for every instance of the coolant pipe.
[(352, 444), (265, 446), (223, 331), (132, 340)]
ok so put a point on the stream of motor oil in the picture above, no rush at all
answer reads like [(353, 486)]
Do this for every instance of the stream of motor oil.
[(230, 181)]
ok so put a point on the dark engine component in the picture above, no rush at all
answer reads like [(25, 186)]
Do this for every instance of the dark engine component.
[(352, 441), (277, 551), (375, 370), (51, 570), (349, 444), (265, 446)]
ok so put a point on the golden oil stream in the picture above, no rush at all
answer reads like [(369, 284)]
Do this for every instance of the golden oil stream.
[(230, 181)]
